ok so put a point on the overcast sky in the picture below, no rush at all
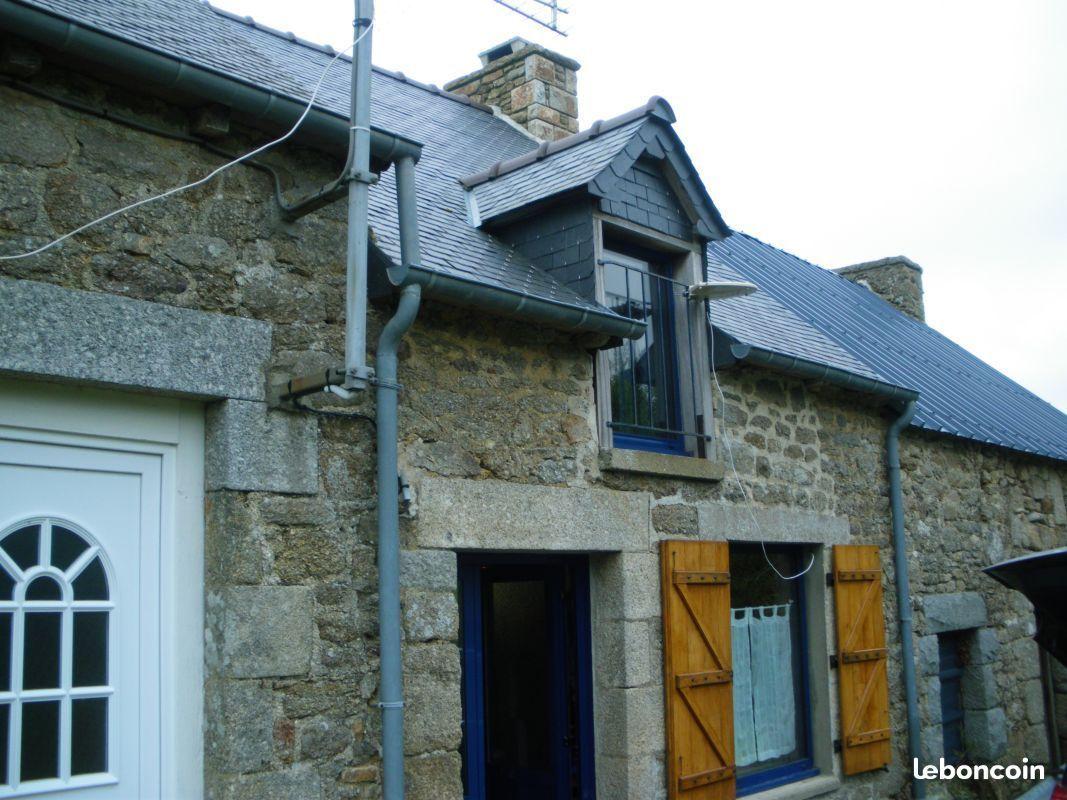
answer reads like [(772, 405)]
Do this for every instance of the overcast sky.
[(840, 131)]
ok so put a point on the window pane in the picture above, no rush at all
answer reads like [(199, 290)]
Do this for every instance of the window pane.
[(91, 584), (90, 648), (22, 545), (643, 372), (66, 547), (44, 588), (770, 707), (40, 740), (5, 654), (88, 736), (7, 585), (41, 651)]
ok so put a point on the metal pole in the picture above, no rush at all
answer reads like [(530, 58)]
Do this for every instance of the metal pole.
[(900, 563), (359, 179), (391, 693)]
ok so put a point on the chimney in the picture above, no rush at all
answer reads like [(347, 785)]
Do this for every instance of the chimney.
[(532, 85), (897, 280)]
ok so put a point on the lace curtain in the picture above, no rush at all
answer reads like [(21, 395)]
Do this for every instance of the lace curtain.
[(764, 701)]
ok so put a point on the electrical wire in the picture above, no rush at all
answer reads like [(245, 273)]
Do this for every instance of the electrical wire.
[(210, 175), (737, 478)]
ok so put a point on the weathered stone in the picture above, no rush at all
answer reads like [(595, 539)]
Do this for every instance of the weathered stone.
[(435, 776), (723, 520), (64, 334), (954, 612), (625, 585), (675, 519), (433, 713), (444, 458), (632, 720), (251, 448), (364, 773), (1034, 702), (241, 740), (985, 734), (430, 615), (984, 647), (493, 515), (265, 631), (979, 687), (428, 569), (624, 656), (648, 463), (299, 783), (929, 655), (319, 737)]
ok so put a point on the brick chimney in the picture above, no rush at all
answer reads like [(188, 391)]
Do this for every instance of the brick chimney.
[(534, 86), (897, 280)]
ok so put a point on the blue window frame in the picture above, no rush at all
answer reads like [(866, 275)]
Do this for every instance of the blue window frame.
[(950, 673), (643, 373), (772, 707), (527, 678)]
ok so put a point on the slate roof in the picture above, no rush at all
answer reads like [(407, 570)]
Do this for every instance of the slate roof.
[(458, 137), (959, 394), (802, 310)]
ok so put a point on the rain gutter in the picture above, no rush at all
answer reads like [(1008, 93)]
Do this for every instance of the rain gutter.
[(167, 71), (513, 303)]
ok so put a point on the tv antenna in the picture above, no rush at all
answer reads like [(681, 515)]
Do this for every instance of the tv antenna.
[(544, 12)]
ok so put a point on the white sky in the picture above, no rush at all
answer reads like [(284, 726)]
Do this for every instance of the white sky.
[(840, 131)]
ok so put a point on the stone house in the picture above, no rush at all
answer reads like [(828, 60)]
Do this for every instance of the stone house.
[(610, 475)]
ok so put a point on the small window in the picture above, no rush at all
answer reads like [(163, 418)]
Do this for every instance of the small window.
[(55, 621), (951, 657), (654, 398), (772, 722)]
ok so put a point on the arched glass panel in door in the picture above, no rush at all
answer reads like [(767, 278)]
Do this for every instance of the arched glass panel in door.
[(56, 650)]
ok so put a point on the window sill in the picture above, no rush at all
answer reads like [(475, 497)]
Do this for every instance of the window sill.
[(644, 462), (800, 790)]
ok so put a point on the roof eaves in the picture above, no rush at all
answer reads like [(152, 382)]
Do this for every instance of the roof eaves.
[(804, 368), (655, 107)]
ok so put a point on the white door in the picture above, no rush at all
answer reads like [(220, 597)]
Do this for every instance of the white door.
[(83, 529)]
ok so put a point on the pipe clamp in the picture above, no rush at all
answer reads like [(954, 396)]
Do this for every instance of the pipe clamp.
[(392, 704)]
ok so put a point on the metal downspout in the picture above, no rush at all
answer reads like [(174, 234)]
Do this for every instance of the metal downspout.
[(903, 588), (359, 179), (392, 681)]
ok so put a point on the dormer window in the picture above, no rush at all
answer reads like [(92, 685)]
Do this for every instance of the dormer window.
[(643, 373), (651, 390)]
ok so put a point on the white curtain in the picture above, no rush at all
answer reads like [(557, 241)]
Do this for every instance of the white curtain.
[(764, 702)]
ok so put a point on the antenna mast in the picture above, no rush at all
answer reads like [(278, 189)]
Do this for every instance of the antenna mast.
[(543, 12)]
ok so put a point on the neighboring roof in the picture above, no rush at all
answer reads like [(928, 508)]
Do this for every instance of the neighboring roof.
[(958, 393), (458, 137), (594, 159)]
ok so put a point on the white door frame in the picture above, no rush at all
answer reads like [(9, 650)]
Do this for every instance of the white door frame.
[(172, 430)]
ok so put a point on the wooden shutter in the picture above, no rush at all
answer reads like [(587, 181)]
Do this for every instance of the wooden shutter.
[(697, 671), (861, 658)]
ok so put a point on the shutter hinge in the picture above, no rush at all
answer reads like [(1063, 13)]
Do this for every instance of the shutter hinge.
[(837, 745), (833, 661), (829, 579)]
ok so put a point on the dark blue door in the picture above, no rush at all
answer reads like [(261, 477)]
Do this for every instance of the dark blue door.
[(527, 684)]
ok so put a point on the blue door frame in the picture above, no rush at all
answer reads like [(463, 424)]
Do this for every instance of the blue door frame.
[(571, 708)]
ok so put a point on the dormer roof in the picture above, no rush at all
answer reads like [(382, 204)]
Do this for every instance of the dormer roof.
[(594, 160)]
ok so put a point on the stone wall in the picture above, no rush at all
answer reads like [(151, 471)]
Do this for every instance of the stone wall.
[(532, 85), (496, 415)]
